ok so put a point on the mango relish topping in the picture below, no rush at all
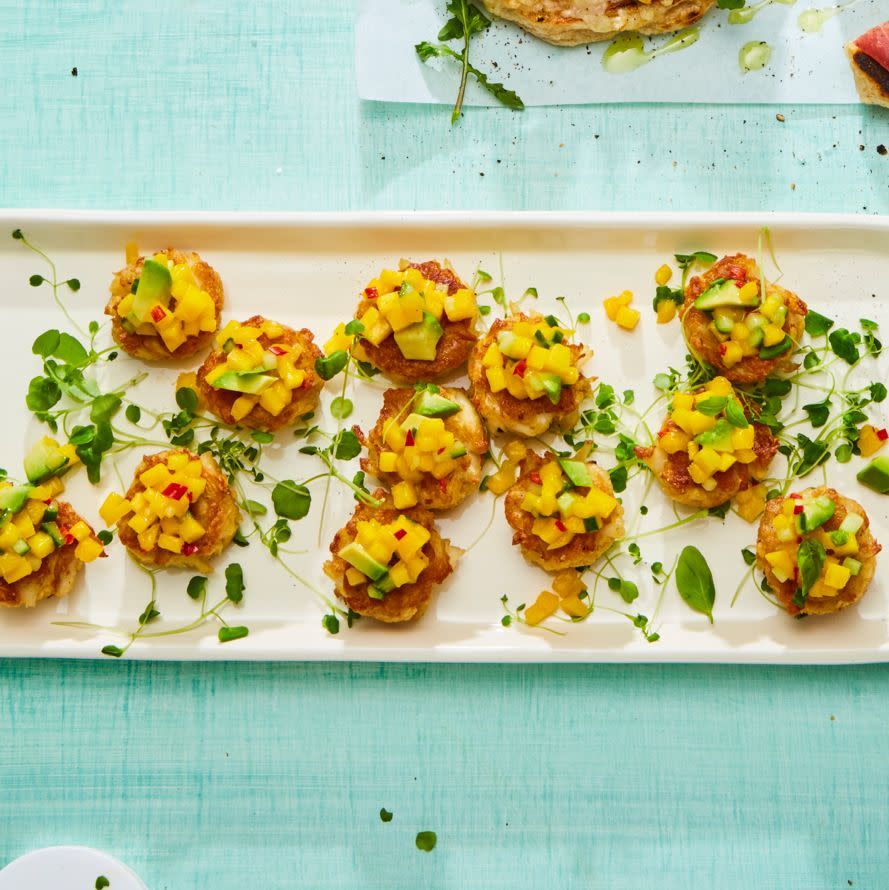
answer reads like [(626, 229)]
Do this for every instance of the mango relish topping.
[(30, 530), (263, 375), (386, 556), (565, 502), (416, 446), (168, 302), (712, 428), (820, 562), (619, 311), (161, 514), (744, 323), (530, 359), (410, 307)]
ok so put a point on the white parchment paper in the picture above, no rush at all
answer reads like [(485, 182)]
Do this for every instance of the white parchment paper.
[(804, 68)]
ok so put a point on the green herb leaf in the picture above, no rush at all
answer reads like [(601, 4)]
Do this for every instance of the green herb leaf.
[(113, 651), (328, 366), (810, 558), (227, 633), (104, 407), (843, 345), (197, 587), (354, 328), (734, 414), (187, 399), (341, 407), (694, 581), (712, 406), (291, 500), (347, 446), (627, 589), (102, 882), (426, 841), (818, 412), (816, 324), (261, 436), (385, 815), (46, 344), (618, 476), (133, 413), (254, 508), (749, 556), (665, 294), (331, 624), (730, 4), (234, 582), (687, 260)]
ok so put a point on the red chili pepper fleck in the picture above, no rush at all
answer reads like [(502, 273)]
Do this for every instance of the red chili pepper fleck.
[(738, 273), (48, 501), (795, 495), (175, 491), (561, 526), (535, 478), (189, 549), (371, 293), (409, 438), (883, 434), (277, 350), (440, 451), (399, 534), (69, 539), (797, 509), (722, 348), (442, 485), (520, 368), (158, 313)]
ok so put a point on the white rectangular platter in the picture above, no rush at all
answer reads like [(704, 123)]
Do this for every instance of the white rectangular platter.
[(306, 270)]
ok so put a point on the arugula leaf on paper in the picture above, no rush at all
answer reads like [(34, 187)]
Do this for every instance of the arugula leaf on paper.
[(465, 22)]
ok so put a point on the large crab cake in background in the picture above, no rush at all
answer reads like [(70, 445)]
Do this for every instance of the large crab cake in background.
[(418, 322), (387, 563), (571, 22), (164, 306)]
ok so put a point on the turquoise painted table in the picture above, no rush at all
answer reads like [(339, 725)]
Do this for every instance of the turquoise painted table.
[(272, 776)]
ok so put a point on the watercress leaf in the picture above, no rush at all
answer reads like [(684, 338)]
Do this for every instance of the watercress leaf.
[(877, 392), (43, 393), (196, 587), (234, 582), (366, 369), (818, 412), (70, 350), (291, 500), (604, 395), (133, 413), (662, 382), (105, 407), (341, 407), (187, 399), (149, 614), (227, 633), (102, 882), (254, 508), (113, 651), (331, 624), (618, 478), (816, 324), (749, 556), (665, 294), (328, 366), (347, 446), (386, 815), (694, 581), (843, 454), (628, 590), (46, 344), (36, 280), (776, 386), (426, 841), (82, 435), (843, 345), (811, 360), (354, 328)]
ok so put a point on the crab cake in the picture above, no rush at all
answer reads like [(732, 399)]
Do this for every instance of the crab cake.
[(181, 511), (166, 306), (728, 324), (525, 376), (816, 551), (261, 375), (564, 512), (572, 22), (427, 446), (43, 544), (708, 449), (387, 563), (419, 322)]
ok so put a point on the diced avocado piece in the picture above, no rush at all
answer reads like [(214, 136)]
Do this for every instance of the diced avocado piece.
[(876, 475), (357, 557), (431, 404), (21, 547), (154, 287), (591, 524), (755, 320), (379, 589), (459, 450), (505, 343), (756, 337), (777, 349), (851, 524), (577, 472), (565, 500), (552, 386), (14, 497), (724, 292), (411, 422), (52, 529), (418, 342), (816, 512), (251, 382), (228, 346), (839, 537), (853, 565), (44, 460), (723, 323), (719, 437), (51, 512)]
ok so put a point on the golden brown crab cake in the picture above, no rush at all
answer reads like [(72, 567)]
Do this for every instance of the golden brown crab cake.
[(840, 553), (261, 375), (708, 449), (179, 511), (177, 311), (44, 544), (387, 563), (525, 375), (569, 23), (419, 322), (729, 325), (428, 447), (564, 512)]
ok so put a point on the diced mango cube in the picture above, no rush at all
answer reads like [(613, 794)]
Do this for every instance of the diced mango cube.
[(545, 605), (627, 318), (460, 305), (836, 576), (114, 509), (88, 550), (80, 531), (404, 495), (169, 542), (242, 406)]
